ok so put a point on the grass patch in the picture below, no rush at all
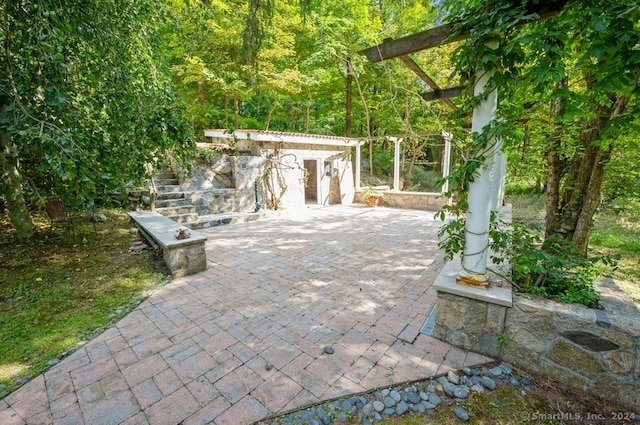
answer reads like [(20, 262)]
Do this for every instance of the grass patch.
[(61, 289)]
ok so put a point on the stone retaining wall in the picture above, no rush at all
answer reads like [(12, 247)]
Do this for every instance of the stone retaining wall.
[(411, 200), (595, 350)]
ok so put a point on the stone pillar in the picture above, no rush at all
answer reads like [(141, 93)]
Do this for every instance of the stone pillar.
[(476, 242)]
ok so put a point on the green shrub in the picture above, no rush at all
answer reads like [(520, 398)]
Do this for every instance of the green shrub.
[(553, 269)]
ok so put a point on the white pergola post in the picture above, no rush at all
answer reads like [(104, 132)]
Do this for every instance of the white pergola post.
[(358, 160), (476, 240), (446, 160), (499, 171), (396, 163)]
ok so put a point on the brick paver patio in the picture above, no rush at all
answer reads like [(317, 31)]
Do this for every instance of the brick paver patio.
[(277, 291)]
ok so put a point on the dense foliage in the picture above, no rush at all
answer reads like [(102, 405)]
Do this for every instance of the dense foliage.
[(85, 101)]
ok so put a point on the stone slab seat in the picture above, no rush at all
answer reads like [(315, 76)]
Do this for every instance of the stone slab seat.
[(182, 256)]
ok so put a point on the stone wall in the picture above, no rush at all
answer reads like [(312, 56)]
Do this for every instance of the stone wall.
[(470, 324), (595, 350), (586, 348), (411, 200), (223, 184)]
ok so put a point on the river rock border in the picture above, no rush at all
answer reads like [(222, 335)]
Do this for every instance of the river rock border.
[(421, 397)]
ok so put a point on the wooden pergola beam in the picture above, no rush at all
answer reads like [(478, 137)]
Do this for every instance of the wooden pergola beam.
[(424, 77), (442, 35), (442, 94)]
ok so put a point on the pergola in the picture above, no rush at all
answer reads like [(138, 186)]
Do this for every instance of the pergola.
[(486, 189), (323, 140)]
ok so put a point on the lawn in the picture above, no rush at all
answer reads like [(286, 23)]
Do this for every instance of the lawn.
[(61, 289)]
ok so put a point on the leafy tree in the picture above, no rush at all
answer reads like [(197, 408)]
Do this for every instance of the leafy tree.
[(581, 70), (84, 100)]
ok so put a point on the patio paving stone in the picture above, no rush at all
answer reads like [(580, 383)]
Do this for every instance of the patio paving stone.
[(277, 290)]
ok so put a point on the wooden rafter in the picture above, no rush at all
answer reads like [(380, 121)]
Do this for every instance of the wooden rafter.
[(442, 94), (424, 77), (441, 35)]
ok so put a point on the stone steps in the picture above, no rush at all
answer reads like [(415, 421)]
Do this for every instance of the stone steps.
[(170, 202), (187, 219), (177, 210), (213, 220), (166, 182)]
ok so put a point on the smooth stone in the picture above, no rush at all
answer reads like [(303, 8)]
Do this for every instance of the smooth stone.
[(453, 377), (389, 402), (306, 414), (413, 398), (367, 409), (449, 388), (434, 399), (345, 406), (377, 416), (475, 379), (389, 411), (514, 381), (326, 419), (421, 408), (395, 395), (428, 406), (53, 362), (526, 380), (495, 371), (401, 408), (477, 388), (378, 406), (506, 369), (385, 392), (442, 380), (467, 371), (320, 412), (461, 392), (424, 396), (488, 383), (461, 413), (328, 350), (268, 366), (342, 416)]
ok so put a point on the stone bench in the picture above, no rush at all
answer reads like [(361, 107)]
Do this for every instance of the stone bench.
[(182, 256)]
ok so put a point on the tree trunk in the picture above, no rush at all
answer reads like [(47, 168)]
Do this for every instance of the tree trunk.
[(347, 125), (201, 93), (270, 113), (581, 198), (12, 189), (554, 172), (593, 195), (236, 113)]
